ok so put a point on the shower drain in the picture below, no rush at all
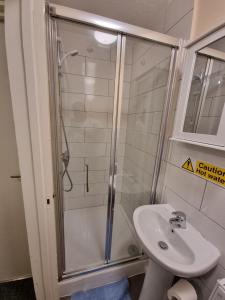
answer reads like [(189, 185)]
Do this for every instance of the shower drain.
[(163, 245), (133, 250)]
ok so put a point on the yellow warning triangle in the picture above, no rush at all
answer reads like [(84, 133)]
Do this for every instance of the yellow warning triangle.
[(188, 165)]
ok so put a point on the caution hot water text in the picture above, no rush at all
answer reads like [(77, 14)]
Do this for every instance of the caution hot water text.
[(206, 170)]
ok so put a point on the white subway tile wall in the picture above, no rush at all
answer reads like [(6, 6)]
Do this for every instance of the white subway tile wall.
[(202, 201), (87, 106)]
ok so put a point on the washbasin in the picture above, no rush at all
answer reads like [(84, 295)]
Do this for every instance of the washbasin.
[(183, 252)]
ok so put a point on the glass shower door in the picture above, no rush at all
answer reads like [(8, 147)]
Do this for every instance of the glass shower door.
[(144, 83), (87, 70)]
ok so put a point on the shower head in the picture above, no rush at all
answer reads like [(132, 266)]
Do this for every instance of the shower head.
[(69, 53), (73, 52), (199, 77)]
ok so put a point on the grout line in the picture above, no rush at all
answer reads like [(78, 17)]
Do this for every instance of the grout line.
[(88, 76), (149, 91), (178, 21), (85, 66), (203, 195), (88, 57), (167, 186), (100, 95), (86, 94), (179, 167), (150, 48)]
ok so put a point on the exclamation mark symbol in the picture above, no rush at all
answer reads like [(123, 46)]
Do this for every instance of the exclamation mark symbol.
[(188, 165)]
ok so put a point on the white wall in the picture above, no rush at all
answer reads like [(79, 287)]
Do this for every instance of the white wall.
[(14, 255), (202, 201), (207, 15)]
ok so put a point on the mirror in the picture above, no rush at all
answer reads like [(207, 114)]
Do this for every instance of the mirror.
[(207, 92)]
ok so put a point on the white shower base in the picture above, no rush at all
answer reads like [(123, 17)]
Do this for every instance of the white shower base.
[(85, 237)]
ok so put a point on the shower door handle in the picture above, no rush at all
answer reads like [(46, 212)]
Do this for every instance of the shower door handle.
[(87, 178), (16, 177)]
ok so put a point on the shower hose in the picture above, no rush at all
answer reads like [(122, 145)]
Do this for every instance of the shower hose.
[(66, 159)]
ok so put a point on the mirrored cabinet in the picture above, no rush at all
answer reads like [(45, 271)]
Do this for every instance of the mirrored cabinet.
[(200, 115)]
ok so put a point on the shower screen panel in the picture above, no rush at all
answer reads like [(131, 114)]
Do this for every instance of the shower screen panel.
[(144, 85), (87, 79), (108, 107)]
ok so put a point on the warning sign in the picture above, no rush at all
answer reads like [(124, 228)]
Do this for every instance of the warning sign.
[(188, 165), (210, 172), (207, 171)]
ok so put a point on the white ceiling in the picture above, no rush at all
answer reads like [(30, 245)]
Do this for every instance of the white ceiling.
[(144, 13)]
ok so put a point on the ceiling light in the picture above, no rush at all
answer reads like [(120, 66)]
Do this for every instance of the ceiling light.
[(105, 38)]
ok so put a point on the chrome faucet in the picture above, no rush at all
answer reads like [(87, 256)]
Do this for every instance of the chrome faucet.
[(179, 221)]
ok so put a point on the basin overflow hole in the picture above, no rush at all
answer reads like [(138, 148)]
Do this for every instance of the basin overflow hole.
[(163, 245)]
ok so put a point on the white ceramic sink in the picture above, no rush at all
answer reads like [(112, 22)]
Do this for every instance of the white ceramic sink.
[(189, 254)]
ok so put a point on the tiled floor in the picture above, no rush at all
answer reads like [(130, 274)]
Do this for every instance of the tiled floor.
[(85, 237), (17, 290)]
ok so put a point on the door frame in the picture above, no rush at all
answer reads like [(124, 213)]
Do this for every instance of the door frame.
[(28, 76)]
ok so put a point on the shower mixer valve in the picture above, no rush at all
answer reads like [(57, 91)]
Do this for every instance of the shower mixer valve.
[(65, 158)]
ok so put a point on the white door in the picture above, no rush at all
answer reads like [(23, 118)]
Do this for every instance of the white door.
[(14, 255)]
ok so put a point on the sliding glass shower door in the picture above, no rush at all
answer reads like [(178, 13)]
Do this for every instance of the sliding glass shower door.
[(87, 71), (144, 89), (106, 112)]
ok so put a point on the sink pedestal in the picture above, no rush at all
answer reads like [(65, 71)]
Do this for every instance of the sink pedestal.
[(157, 282)]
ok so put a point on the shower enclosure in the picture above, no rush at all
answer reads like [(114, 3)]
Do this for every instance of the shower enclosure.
[(110, 94)]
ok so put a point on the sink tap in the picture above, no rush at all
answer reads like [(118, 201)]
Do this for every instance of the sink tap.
[(179, 221)]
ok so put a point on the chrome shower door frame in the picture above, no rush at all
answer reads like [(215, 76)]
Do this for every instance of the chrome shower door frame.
[(56, 137), (120, 60), (122, 30)]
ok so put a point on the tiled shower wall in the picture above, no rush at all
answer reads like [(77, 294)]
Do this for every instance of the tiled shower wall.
[(149, 74), (202, 201), (87, 105)]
